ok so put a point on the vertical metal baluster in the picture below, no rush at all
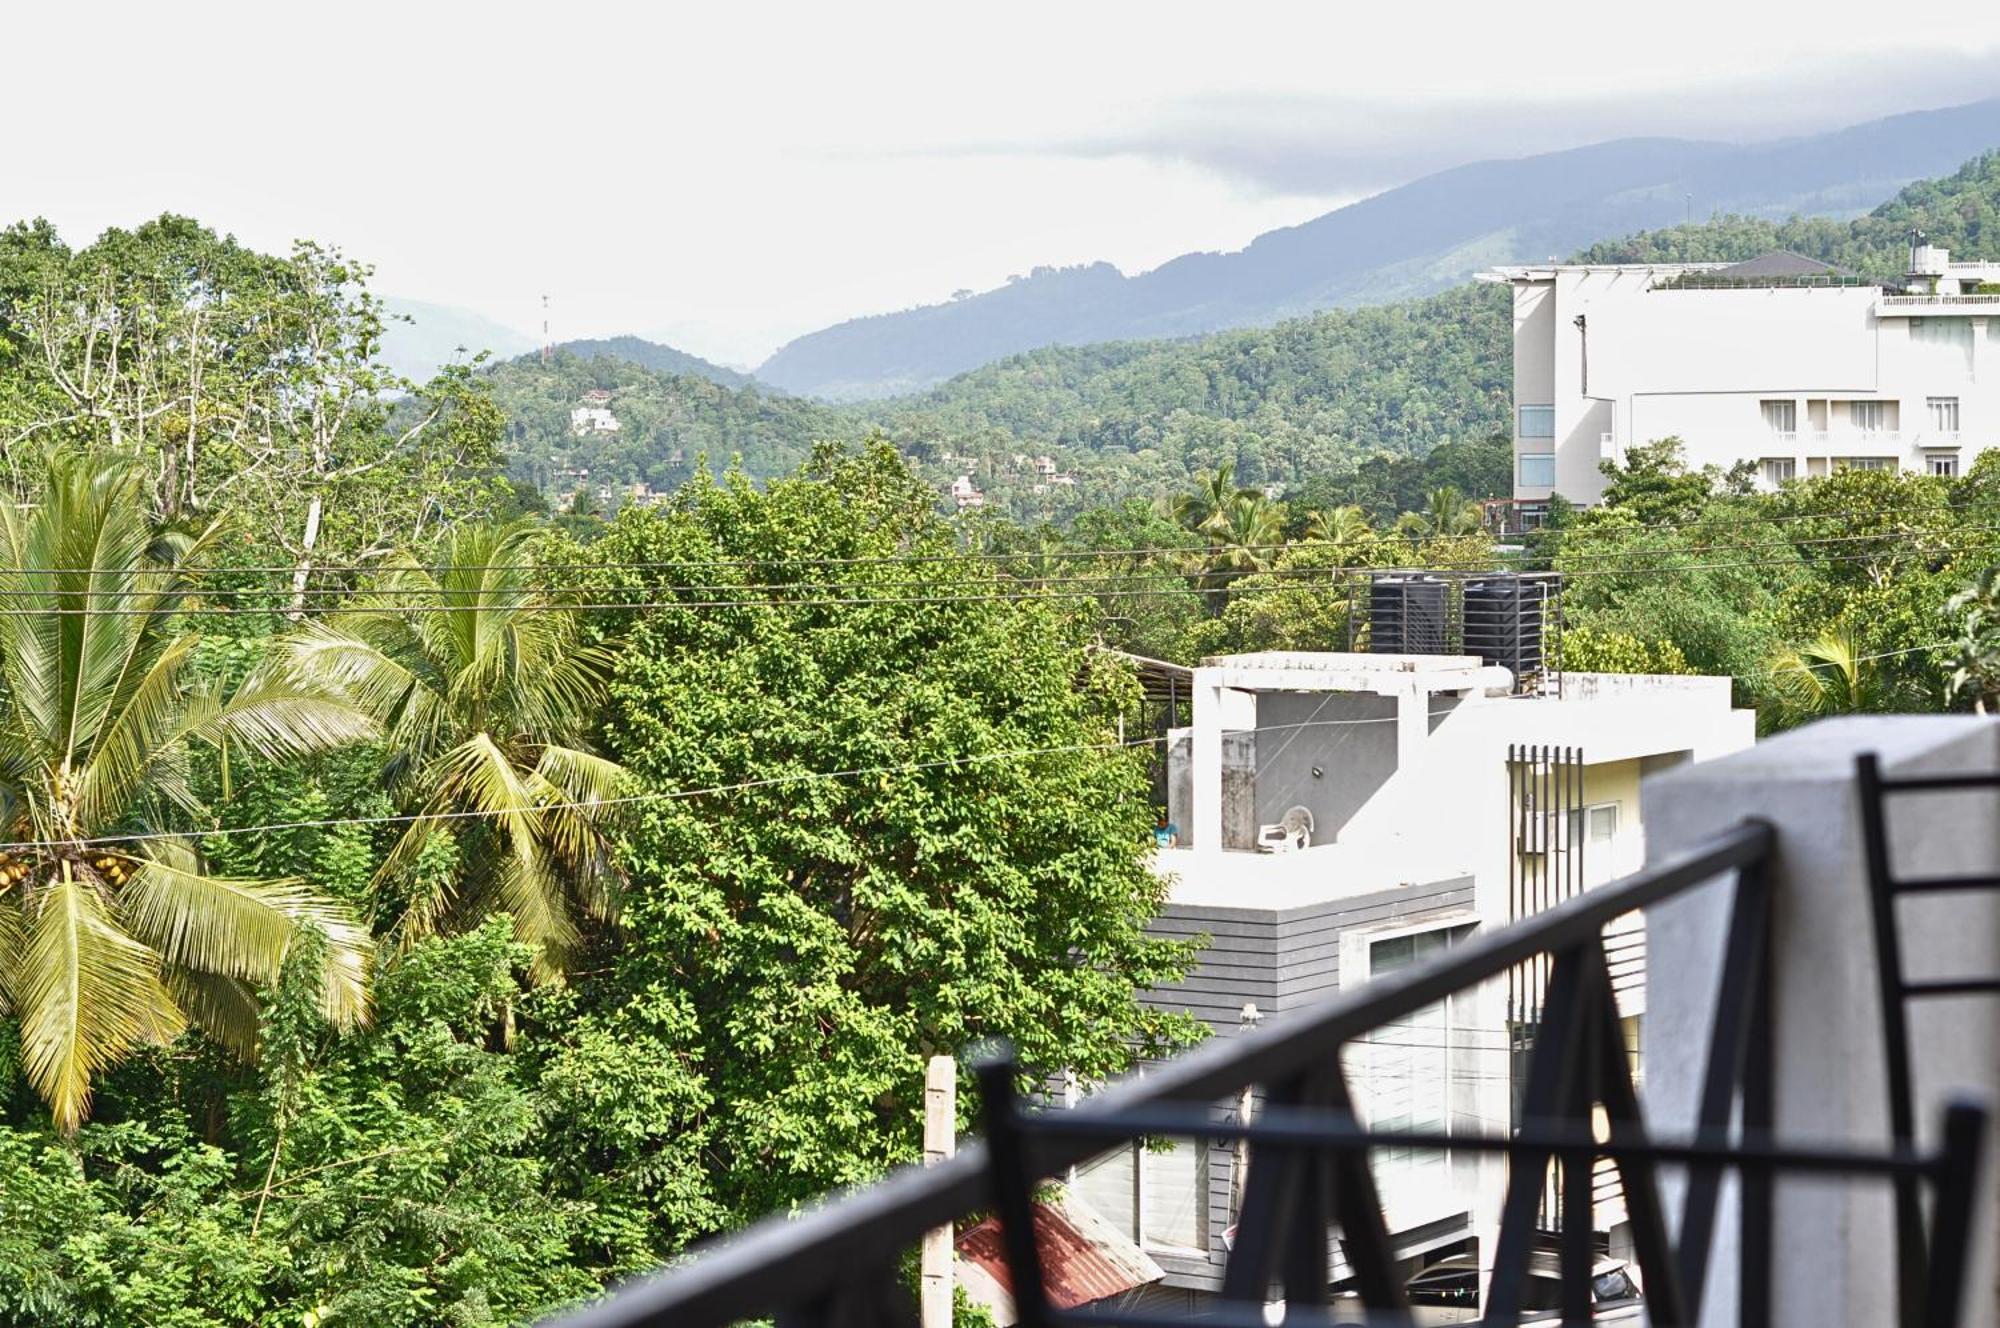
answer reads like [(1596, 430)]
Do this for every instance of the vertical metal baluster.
[(1957, 1177), (1579, 1171), (1895, 1029), (1759, 1118), (1013, 1185), (1550, 1074)]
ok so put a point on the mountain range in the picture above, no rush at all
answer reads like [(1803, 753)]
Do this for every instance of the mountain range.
[(1409, 241)]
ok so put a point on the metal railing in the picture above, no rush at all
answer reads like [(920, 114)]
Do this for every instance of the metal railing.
[(1885, 886), (1309, 1177), (1938, 301)]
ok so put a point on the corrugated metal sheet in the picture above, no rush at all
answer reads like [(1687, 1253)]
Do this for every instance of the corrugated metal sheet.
[(1084, 1258)]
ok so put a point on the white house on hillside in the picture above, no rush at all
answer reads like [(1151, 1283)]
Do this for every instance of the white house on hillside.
[(1779, 361)]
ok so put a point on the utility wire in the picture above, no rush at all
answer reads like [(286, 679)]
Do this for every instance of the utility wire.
[(1288, 579), (663, 795), (988, 555), (447, 594), (673, 795)]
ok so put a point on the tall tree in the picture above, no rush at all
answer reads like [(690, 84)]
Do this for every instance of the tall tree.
[(112, 934), (487, 690), (807, 938)]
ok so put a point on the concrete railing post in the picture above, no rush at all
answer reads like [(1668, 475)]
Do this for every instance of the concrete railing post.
[(1833, 1259)]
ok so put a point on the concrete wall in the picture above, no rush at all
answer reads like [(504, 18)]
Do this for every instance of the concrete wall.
[(1239, 788), (1348, 737), (1834, 1252)]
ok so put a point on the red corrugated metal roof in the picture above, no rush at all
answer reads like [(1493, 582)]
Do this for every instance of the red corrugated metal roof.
[(1083, 1258)]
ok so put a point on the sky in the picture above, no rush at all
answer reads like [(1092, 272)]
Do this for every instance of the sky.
[(725, 177)]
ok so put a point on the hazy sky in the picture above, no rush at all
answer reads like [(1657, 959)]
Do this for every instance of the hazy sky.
[(728, 175)]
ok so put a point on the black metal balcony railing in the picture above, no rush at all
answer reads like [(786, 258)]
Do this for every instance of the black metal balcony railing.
[(1309, 1182)]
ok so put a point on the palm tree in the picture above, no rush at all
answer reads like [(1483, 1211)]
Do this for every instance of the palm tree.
[(485, 689), (1452, 513), (1830, 676), (1213, 490), (1346, 525), (112, 934), (1246, 529)]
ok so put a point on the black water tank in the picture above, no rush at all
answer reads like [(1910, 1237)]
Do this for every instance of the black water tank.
[(1505, 621), (1407, 614)]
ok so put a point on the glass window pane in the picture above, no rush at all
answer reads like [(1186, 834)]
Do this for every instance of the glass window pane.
[(1538, 471), (1173, 1198), (1109, 1184)]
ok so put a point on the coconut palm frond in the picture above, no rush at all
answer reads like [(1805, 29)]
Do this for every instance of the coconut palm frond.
[(227, 1009), (139, 733), (280, 715), (86, 994)]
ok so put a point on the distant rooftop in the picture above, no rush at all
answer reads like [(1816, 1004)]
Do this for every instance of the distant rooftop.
[(1778, 263)]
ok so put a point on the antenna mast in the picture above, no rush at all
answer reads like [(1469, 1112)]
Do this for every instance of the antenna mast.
[(548, 347)]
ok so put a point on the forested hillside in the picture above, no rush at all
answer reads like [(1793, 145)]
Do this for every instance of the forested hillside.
[(1960, 211), (1413, 240), (1308, 402), (666, 422), (1135, 419), (652, 355)]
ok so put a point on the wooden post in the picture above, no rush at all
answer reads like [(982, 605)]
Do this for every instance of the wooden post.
[(940, 1141)]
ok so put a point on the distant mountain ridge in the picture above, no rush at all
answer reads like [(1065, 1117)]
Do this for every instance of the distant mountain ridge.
[(655, 356), (1410, 241)]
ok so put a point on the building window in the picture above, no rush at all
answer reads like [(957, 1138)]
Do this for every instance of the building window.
[(1944, 414), (1594, 826), (1779, 469), (1781, 417), (1864, 463), (1867, 416), (1537, 422), (1154, 1197), (1410, 1062), (1946, 466), (1538, 470)]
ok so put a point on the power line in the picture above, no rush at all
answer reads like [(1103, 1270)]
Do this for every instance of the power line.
[(975, 555), (473, 596), (664, 795)]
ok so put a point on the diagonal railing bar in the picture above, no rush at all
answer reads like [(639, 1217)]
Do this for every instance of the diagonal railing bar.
[(1746, 950), (1548, 1097), (1652, 1243), (873, 1299), (1358, 1209)]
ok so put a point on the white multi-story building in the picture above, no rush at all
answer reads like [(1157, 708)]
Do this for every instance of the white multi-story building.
[(1780, 361), (1336, 816)]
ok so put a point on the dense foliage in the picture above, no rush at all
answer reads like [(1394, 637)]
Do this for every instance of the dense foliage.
[(412, 914), (1960, 212), (1345, 401)]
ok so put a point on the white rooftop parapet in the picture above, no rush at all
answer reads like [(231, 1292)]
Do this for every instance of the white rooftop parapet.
[(1833, 1260)]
